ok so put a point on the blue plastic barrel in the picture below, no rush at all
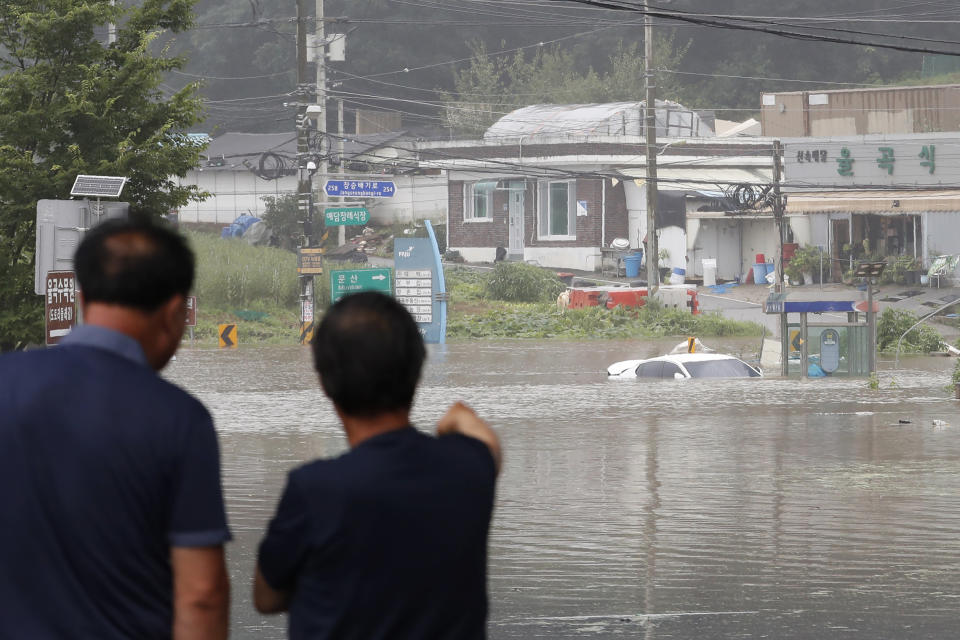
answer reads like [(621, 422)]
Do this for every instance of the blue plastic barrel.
[(760, 273), (631, 264), (771, 267)]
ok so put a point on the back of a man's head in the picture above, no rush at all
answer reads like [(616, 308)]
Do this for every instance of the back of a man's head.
[(133, 263), (369, 353)]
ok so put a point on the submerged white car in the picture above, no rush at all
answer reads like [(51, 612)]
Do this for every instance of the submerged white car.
[(684, 365)]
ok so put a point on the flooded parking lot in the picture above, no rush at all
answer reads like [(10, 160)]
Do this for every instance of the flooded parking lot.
[(669, 509)]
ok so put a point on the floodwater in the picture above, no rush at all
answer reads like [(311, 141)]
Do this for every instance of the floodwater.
[(759, 508)]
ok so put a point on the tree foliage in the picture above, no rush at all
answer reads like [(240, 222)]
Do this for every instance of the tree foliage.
[(490, 87), (70, 103)]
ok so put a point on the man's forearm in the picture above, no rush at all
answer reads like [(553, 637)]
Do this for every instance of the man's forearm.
[(202, 621), (201, 594)]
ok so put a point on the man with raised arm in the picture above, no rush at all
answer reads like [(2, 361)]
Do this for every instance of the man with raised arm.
[(113, 523), (389, 540)]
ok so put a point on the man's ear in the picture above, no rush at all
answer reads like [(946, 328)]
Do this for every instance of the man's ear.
[(173, 313)]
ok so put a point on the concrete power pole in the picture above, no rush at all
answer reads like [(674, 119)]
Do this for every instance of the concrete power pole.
[(304, 181), (650, 142), (320, 57)]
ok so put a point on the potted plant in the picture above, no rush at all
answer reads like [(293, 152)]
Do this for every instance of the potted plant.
[(664, 257), (804, 263)]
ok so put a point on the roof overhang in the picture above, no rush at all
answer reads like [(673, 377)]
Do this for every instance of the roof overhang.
[(889, 202)]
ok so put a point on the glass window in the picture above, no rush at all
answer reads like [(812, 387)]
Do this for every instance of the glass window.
[(669, 369), (650, 369), (721, 369), (559, 218), (479, 200), (557, 205)]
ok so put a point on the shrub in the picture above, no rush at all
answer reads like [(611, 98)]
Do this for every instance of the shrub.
[(892, 324), (521, 282)]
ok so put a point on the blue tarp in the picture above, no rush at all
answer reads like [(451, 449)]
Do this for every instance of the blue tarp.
[(238, 227)]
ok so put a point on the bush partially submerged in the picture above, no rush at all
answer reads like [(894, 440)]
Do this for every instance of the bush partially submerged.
[(521, 282), (892, 324)]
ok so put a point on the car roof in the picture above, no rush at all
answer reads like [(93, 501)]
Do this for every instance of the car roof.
[(692, 357)]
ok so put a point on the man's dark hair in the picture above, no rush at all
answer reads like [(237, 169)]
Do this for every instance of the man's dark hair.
[(369, 353), (134, 263)]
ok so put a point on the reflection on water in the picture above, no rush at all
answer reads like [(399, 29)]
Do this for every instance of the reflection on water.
[(665, 509)]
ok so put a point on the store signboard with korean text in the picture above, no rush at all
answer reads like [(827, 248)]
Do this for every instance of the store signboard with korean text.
[(346, 216), (61, 304), (871, 161), (419, 284)]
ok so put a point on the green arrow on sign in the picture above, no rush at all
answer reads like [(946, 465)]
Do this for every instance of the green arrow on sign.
[(345, 282), (346, 216)]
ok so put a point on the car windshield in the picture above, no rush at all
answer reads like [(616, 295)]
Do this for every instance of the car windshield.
[(730, 368)]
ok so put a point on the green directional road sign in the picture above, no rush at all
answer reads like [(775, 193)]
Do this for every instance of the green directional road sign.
[(345, 282), (346, 216)]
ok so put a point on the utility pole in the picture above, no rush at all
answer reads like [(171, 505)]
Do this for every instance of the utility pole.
[(779, 207), (342, 230), (650, 141), (304, 182), (320, 57)]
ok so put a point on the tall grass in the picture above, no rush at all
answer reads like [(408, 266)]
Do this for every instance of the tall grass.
[(232, 273)]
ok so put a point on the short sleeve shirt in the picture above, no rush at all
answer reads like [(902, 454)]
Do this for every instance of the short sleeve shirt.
[(104, 467), (387, 541)]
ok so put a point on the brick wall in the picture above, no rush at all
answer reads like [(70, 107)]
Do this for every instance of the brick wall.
[(489, 233), (496, 233)]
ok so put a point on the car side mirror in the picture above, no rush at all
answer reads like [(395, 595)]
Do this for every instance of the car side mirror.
[(679, 376)]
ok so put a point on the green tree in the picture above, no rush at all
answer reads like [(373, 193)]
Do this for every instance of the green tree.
[(282, 215), (70, 103), (490, 87)]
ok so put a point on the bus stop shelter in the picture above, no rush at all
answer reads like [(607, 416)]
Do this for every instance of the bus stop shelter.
[(839, 340)]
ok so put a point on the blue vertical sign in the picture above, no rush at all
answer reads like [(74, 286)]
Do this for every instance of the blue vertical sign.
[(419, 284)]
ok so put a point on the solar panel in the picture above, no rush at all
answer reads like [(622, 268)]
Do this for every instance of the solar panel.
[(98, 186)]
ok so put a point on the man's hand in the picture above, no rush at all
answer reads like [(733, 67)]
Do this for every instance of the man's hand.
[(201, 593), (266, 599), (460, 418)]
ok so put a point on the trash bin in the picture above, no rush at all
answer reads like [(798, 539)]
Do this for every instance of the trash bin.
[(678, 275), (760, 273), (631, 264), (709, 272)]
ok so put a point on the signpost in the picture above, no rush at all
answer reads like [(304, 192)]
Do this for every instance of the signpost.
[(346, 216), (191, 311), (420, 285), (227, 334), (310, 261), (191, 320), (360, 188), (61, 299), (345, 282)]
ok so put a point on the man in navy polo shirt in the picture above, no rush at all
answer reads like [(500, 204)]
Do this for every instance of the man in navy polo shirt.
[(112, 524), (389, 540)]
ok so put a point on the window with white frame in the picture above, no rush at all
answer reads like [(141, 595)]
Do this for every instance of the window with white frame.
[(478, 200), (558, 209)]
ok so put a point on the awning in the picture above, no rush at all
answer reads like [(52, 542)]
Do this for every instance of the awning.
[(672, 178), (885, 202)]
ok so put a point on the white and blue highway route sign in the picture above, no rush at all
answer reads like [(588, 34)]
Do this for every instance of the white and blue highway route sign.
[(360, 188)]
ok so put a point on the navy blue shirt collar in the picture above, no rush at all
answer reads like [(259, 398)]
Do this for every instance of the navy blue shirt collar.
[(91, 335)]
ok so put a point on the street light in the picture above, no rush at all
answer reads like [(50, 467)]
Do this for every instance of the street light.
[(869, 271)]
